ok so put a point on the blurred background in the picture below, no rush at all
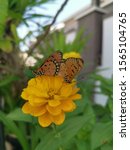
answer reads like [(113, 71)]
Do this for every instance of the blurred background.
[(30, 31)]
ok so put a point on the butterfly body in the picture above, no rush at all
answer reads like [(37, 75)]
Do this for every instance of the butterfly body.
[(56, 65)]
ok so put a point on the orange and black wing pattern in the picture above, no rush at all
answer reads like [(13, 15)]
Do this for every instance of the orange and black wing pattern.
[(51, 65), (70, 68)]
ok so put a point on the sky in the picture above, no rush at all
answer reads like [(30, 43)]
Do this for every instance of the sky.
[(71, 7), (51, 8)]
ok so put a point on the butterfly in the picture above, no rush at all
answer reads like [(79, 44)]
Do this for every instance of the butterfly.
[(51, 65), (56, 65)]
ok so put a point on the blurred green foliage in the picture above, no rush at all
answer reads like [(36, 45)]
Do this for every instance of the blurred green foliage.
[(89, 127)]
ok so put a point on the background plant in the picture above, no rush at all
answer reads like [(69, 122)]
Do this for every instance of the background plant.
[(88, 127)]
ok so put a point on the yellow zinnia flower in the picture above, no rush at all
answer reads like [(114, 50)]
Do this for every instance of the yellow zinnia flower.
[(71, 54), (48, 98)]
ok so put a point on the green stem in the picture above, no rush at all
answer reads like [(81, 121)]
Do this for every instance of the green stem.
[(58, 134), (54, 128)]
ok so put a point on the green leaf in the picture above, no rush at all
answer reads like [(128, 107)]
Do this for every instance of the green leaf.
[(6, 45), (81, 105), (101, 134), (82, 145), (106, 147), (16, 16), (18, 115), (110, 104), (3, 15), (14, 129), (31, 16), (14, 32), (12, 3), (8, 98), (99, 110), (59, 42), (28, 72), (63, 133), (7, 80), (106, 84)]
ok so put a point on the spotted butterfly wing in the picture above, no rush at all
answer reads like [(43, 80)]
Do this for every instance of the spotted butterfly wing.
[(57, 56), (69, 68), (51, 65)]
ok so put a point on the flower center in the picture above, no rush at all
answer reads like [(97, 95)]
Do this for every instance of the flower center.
[(51, 93)]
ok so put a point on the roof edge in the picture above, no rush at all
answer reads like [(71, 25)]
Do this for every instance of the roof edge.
[(89, 11), (106, 3)]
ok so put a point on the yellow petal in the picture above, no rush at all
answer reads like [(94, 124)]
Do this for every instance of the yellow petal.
[(32, 103), (59, 119), (38, 87), (58, 82), (37, 92), (37, 101), (34, 111), (68, 105), (66, 90), (45, 120), (53, 110), (57, 97), (32, 82), (75, 97), (50, 82), (24, 94), (71, 54), (54, 103), (43, 83), (73, 83), (26, 108), (75, 90)]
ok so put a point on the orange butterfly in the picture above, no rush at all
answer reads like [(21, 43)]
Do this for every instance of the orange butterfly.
[(51, 65), (56, 65)]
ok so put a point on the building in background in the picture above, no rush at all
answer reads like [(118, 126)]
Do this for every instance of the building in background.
[(97, 21)]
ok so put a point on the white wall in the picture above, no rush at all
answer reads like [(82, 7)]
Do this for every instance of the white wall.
[(107, 55), (70, 37), (107, 47)]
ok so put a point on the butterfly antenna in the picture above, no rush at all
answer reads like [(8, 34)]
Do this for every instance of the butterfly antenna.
[(81, 79), (84, 76)]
